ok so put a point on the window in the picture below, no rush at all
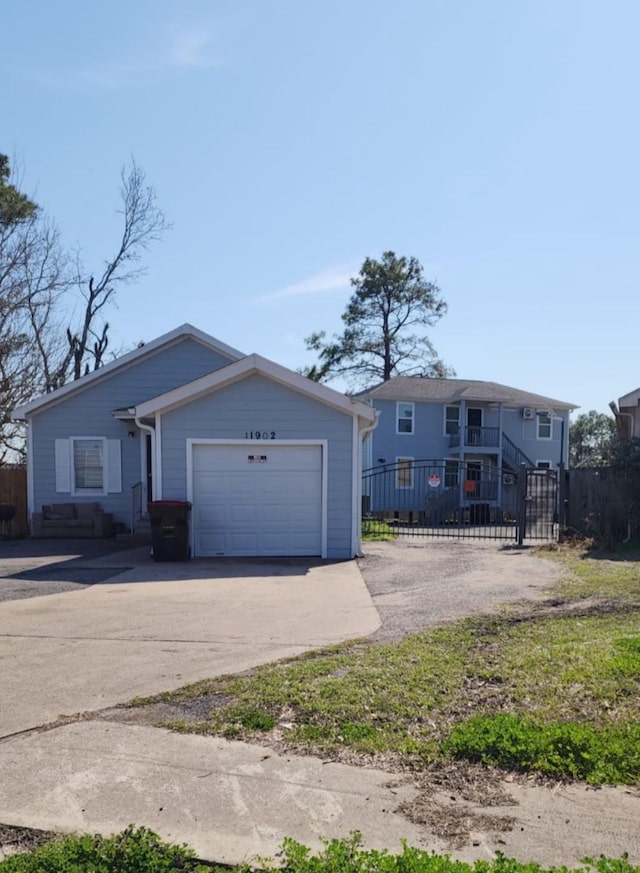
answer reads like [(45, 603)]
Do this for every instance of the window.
[(451, 420), (450, 474), (404, 472), (88, 464), (404, 417), (544, 426)]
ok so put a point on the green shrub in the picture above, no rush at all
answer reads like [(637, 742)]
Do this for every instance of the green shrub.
[(135, 850), (596, 755), (141, 851), (374, 529), (348, 856)]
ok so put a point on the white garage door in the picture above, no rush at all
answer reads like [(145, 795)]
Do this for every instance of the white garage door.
[(264, 500)]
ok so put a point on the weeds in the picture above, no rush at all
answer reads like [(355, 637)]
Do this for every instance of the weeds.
[(597, 756), (134, 849), (374, 530), (142, 851)]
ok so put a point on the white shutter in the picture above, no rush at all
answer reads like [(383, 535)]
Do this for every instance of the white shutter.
[(114, 467), (63, 466)]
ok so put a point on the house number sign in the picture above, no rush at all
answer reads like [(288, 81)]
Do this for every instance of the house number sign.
[(259, 434)]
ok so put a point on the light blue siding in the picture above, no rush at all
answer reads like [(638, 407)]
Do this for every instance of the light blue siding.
[(429, 441), (259, 404), (524, 435), (426, 441), (89, 413)]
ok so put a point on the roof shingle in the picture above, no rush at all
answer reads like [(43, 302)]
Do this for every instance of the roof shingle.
[(417, 388)]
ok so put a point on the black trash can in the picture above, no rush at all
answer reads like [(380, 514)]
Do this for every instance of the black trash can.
[(170, 529)]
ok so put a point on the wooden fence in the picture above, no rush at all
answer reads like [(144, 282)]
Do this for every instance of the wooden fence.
[(13, 490), (603, 503)]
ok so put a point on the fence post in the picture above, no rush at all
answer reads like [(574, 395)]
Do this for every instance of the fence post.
[(521, 502), (563, 501)]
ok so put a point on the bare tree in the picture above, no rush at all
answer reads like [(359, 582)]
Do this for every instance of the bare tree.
[(144, 223), (33, 273), (41, 346)]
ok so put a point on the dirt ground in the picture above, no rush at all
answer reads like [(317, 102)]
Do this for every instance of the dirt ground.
[(420, 583)]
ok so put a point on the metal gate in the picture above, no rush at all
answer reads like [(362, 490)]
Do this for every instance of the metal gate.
[(539, 505), (472, 499)]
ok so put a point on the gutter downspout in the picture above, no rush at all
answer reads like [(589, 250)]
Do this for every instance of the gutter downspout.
[(147, 428), (363, 434)]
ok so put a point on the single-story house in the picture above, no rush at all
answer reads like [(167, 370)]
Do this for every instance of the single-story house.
[(270, 461)]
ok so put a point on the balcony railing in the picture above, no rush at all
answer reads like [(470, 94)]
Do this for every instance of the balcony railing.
[(480, 437)]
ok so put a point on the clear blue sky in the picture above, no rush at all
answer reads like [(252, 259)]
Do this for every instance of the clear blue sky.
[(498, 142)]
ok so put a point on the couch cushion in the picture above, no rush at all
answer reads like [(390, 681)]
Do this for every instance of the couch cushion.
[(87, 510), (58, 511), (79, 522)]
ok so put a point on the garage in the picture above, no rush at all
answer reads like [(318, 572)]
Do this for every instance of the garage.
[(269, 460), (257, 499)]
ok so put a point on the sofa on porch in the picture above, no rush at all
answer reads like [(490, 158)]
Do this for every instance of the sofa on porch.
[(71, 520)]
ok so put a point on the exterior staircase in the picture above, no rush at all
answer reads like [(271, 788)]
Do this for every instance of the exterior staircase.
[(513, 457)]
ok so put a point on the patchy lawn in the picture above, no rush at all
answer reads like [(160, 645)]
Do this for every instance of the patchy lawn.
[(554, 690)]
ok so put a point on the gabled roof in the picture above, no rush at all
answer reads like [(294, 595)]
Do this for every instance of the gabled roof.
[(248, 366), (179, 333), (417, 388)]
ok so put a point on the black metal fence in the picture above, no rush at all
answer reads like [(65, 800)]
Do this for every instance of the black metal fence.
[(463, 499)]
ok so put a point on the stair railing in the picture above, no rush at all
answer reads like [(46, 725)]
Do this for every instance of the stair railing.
[(514, 454), (136, 504)]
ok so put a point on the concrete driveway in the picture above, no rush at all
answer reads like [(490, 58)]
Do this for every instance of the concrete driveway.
[(155, 627)]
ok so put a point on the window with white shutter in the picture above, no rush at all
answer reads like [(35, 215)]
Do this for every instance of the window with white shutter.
[(88, 466)]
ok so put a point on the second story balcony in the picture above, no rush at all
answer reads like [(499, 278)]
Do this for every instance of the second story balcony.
[(477, 437)]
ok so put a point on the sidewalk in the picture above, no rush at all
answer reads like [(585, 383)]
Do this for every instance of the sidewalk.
[(231, 801)]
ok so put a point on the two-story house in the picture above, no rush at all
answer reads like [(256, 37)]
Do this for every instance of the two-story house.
[(447, 444)]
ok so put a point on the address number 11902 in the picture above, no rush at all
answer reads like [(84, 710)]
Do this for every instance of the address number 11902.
[(259, 434)]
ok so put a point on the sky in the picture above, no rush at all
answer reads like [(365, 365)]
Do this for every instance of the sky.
[(495, 141)]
